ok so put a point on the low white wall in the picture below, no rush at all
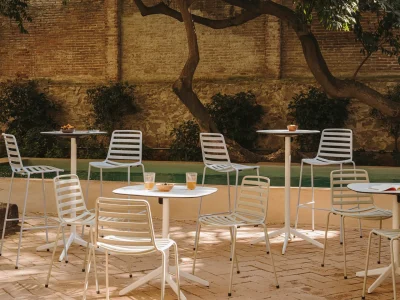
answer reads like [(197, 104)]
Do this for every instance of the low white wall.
[(187, 208)]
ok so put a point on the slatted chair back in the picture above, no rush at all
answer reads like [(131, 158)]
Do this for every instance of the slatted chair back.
[(341, 195), (14, 158), (71, 205), (336, 144), (124, 223), (125, 145), (214, 149), (253, 198)]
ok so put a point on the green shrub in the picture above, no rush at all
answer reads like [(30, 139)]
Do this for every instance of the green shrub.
[(236, 116), (110, 103), (392, 125), (314, 110), (185, 142), (25, 112)]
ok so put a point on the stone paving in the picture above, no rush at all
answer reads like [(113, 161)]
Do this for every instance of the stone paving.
[(299, 272)]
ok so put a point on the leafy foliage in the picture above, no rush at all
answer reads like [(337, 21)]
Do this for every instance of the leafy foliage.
[(110, 103), (185, 142), (25, 113), (314, 110), (392, 125), (16, 10), (236, 116)]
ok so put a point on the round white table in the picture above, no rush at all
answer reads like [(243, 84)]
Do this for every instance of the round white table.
[(386, 271), (74, 236), (287, 230), (178, 191)]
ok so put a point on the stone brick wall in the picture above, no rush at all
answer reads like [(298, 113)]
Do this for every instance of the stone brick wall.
[(87, 42)]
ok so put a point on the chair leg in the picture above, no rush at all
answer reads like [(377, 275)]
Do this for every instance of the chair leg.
[(268, 247), (393, 269), (129, 175), (341, 231), (65, 245), (367, 265), (235, 257), (107, 283), (93, 249), (6, 215), (87, 185), (45, 210), (326, 239), (86, 256), (229, 191), (197, 247), (143, 170), (380, 243), (163, 274), (178, 281), (101, 182), (23, 221), (233, 263), (87, 274), (236, 188), (312, 200), (54, 253), (344, 250), (298, 195)]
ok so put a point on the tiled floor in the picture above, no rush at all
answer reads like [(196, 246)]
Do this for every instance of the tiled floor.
[(299, 272)]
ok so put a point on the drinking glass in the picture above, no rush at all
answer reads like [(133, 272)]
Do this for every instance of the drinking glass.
[(149, 179), (191, 179)]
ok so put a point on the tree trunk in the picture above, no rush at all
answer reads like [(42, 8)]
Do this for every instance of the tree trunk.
[(183, 88)]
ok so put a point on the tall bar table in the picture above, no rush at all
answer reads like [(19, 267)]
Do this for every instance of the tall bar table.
[(287, 230), (74, 236)]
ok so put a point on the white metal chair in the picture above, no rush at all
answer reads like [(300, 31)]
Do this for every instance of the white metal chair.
[(125, 151), (335, 148), (125, 227), (391, 235), (15, 161), (359, 206), (216, 157), (250, 210), (71, 209)]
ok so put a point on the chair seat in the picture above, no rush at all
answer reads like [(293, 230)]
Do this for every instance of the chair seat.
[(229, 220), (371, 213), (106, 164), (324, 162), (38, 170), (230, 167), (388, 233), (161, 244)]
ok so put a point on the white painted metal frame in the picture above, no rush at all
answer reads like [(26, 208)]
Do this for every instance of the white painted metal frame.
[(335, 148), (15, 161), (360, 206), (216, 157), (125, 227), (250, 210), (287, 230), (71, 209), (163, 197), (393, 235), (125, 151)]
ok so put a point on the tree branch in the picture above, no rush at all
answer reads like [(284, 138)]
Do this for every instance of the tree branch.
[(333, 86), (360, 66), (163, 9)]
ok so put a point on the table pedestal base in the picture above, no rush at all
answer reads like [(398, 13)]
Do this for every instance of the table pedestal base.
[(383, 274), (73, 238), (288, 232), (157, 273)]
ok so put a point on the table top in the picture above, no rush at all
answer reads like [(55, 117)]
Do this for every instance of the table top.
[(76, 133), (366, 188), (285, 132), (178, 191)]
